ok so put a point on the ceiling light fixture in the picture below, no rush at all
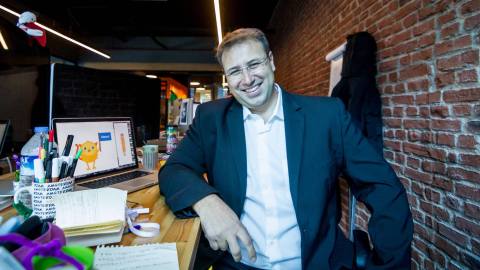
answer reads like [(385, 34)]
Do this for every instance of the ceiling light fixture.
[(2, 41), (59, 34), (200, 88), (194, 83), (216, 3), (150, 76)]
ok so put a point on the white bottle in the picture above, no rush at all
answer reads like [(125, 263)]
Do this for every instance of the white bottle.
[(29, 153)]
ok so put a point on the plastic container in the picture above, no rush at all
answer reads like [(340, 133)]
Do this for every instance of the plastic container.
[(29, 153)]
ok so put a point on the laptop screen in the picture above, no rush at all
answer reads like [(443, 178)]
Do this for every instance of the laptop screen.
[(107, 145)]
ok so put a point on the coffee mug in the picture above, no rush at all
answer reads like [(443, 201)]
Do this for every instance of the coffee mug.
[(150, 156), (42, 196)]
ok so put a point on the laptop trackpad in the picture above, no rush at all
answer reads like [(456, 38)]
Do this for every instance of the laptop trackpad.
[(138, 182)]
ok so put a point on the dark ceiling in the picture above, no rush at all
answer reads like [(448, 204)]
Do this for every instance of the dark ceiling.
[(157, 17), (143, 34)]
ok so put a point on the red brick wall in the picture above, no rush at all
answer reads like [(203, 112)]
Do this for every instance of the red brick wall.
[(428, 63)]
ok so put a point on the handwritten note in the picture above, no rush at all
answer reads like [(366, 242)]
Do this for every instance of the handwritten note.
[(103, 206), (144, 257)]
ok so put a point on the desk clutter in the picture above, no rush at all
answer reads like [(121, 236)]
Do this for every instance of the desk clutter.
[(43, 173), (59, 228), (84, 219)]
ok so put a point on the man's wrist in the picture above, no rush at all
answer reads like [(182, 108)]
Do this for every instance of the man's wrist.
[(203, 203)]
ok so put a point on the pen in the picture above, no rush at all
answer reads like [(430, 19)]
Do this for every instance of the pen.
[(68, 146)]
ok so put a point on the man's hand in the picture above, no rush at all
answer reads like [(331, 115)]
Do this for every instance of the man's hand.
[(222, 227)]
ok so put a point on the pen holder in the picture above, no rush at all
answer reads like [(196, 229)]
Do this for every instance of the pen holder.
[(42, 196)]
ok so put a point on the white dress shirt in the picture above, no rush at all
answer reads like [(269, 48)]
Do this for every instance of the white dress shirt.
[(268, 212)]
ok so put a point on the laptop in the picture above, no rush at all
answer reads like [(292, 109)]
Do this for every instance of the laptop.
[(4, 124), (108, 157)]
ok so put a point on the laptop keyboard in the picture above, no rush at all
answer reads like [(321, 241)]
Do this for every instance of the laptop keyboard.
[(111, 180)]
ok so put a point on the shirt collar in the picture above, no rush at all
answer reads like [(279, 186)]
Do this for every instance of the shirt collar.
[(277, 112)]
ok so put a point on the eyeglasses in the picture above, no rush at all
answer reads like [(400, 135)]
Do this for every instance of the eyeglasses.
[(254, 66)]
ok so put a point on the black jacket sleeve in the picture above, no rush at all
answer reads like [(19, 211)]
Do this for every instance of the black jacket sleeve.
[(181, 178), (374, 182)]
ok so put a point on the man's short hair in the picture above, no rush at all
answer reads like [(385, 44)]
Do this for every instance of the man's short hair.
[(238, 36)]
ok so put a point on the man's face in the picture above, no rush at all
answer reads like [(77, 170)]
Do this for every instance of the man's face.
[(249, 71)]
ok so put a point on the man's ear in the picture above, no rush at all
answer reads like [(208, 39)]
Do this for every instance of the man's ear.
[(270, 57)]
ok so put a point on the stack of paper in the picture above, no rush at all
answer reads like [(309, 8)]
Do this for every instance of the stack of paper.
[(91, 217), (145, 257)]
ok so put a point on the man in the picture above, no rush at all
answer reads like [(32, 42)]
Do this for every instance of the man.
[(272, 160)]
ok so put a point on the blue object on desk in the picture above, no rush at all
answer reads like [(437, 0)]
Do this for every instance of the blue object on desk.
[(10, 225)]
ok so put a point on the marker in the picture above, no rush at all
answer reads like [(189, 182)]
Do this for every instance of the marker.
[(50, 140), (43, 157), (17, 171), (63, 168), (48, 171), (74, 163), (68, 146), (55, 171), (45, 142)]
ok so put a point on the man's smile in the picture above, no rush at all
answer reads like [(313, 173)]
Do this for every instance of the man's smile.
[(252, 91)]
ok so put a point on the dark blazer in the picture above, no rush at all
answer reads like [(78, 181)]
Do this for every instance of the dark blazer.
[(321, 141)]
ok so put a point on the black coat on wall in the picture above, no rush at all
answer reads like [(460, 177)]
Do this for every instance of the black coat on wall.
[(357, 87)]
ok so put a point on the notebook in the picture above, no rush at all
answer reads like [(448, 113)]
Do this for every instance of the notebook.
[(91, 217), (145, 257), (108, 153)]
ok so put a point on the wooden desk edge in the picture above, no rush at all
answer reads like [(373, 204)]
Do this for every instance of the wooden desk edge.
[(194, 238)]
